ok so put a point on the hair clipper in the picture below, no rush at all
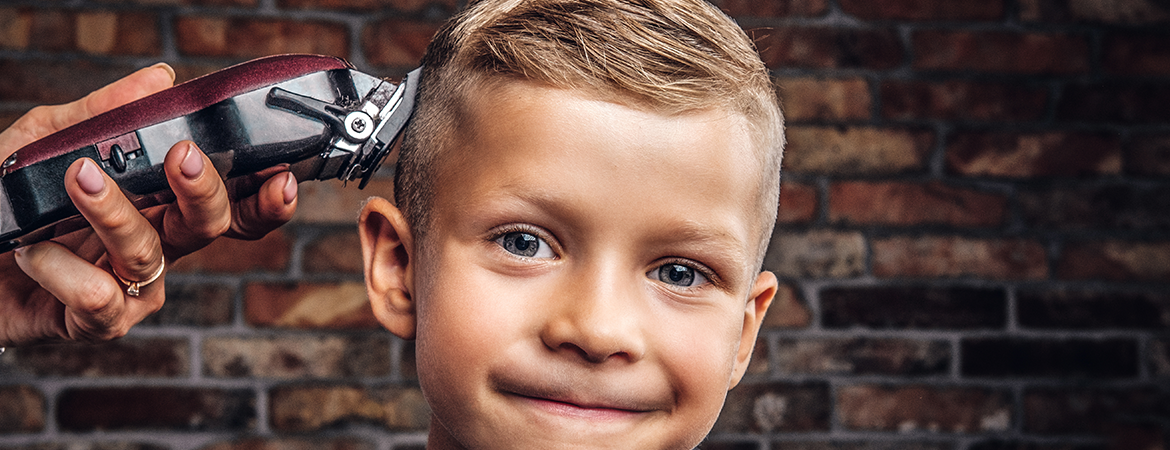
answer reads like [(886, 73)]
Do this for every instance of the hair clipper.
[(315, 114)]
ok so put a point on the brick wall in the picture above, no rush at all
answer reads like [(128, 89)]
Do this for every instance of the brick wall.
[(974, 237)]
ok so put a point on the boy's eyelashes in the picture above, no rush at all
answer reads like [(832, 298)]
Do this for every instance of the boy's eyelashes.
[(525, 244), (681, 273)]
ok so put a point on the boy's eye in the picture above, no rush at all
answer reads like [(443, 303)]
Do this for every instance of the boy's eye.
[(678, 275), (525, 244)]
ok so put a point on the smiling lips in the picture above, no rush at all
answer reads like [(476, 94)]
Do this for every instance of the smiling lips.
[(566, 402)]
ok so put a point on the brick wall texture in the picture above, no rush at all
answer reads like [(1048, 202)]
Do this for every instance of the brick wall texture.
[(973, 238)]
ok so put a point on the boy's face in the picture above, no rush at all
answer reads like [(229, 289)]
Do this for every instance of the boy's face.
[(586, 280)]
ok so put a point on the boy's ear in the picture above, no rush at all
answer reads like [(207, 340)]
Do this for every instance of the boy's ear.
[(387, 245), (753, 316)]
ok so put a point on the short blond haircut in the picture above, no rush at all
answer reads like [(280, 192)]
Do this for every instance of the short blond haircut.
[(668, 56)]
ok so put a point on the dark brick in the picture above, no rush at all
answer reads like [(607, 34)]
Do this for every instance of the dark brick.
[(830, 48), (1148, 154), (772, 8), (307, 443), (1160, 358), (15, 28), (1001, 52), (397, 42), (772, 407), (1121, 102), (962, 100), (1098, 207), (297, 356), (1080, 411), (250, 38), (924, 9), (308, 305), (407, 364), (874, 445), (863, 356), (1091, 309), (1129, 12), (270, 254), (798, 203), (950, 256), (720, 445), (22, 410), (240, 3), (339, 252), (47, 82), (857, 150), (195, 305), (1116, 261), (161, 408), (816, 254), (1028, 155), (1072, 358), (361, 5), (100, 445), (308, 408), (52, 31), (914, 307), (1019, 445), (924, 408), (128, 357), (808, 99), (897, 203), (1137, 54)]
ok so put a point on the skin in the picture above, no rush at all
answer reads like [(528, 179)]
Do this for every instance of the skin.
[(63, 290), (542, 299)]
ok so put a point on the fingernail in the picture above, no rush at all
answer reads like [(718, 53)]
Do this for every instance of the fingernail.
[(19, 252), (166, 67), (90, 178), (192, 165), (290, 188)]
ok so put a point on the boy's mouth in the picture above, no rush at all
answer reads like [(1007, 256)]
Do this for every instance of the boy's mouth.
[(591, 404)]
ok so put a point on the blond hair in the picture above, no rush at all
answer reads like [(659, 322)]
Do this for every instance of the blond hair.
[(669, 56)]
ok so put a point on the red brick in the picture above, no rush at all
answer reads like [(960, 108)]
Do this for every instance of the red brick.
[(829, 48), (946, 257), (788, 310), (816, 254), (924, 408), (397, 42), (15, 28), (1128, 12), (862, 356), (195, 305), (49, 82), (304, 443), (856, 150), (772, 8), (1148, 154), (798, 203), (309, 408), (1116, 261), (400, 5), (339, 252), (22, 410), (897, 203), (249, 38), (308, 305), (297, 356), (775, 406), (52, 31), (962, 100), (270, 254), (1025, 155), (924, 9), (334, 202), (156, 408), (1137, 54), (824, 99), (1119, 102), (128, 357), (109, 33), (1000, 52)]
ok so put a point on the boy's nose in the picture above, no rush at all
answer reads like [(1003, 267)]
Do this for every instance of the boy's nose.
[(597, 319)]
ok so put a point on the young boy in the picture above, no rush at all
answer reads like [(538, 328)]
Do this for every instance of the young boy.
[(582, 206)]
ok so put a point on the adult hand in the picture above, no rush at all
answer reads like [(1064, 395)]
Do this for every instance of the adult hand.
[(66, 289)]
